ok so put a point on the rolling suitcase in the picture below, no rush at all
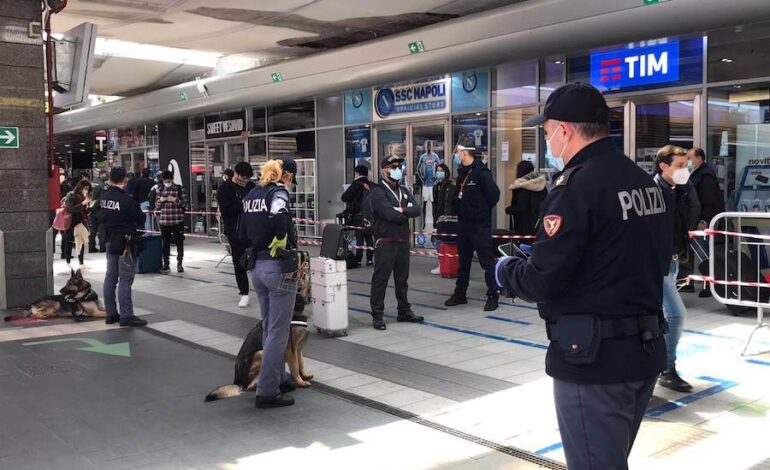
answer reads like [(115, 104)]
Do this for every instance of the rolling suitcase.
[(150, 259), (448, 265), (330, 296)]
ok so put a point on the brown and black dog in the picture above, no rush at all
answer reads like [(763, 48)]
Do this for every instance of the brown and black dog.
[(77, 299), (249, 358)]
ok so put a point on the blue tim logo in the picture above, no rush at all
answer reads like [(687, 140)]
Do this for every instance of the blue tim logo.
[(636, 66), (470, 81), (385, 102)]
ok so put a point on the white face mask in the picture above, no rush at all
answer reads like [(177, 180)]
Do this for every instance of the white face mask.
[(681, 176), (85, 192), (168, 185), (554, 162)]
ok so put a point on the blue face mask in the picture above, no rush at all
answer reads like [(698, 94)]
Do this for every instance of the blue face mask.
[(440, 175), (457, 160), (396, 174), (556, 163)]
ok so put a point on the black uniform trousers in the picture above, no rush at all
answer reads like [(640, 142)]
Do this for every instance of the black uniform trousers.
[(96, 229), (237, 249), (167, 232), (390, 257), (598, 423), (480, 240), (364, 236)]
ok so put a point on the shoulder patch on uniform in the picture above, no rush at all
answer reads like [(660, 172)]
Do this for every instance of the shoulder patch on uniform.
[(564, 177), (551, 224)]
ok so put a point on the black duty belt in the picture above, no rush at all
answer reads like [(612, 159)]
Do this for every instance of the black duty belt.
[(616, 328)]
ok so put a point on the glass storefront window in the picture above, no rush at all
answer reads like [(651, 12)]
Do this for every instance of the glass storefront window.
[(358, 149), (258, 120), (291, 116), (738, 136), (660, 124), (197, 128), (551, 76), (514, 84), (511, 143), (739, 52), (295, 145)]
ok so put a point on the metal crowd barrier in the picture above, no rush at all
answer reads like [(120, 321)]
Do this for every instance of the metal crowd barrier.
[(735, 262)]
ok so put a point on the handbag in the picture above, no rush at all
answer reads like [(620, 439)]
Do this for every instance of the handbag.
[(63, 220)]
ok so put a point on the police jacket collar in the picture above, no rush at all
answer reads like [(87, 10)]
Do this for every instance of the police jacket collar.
[(116, 188), (477, 163), (601, 146)]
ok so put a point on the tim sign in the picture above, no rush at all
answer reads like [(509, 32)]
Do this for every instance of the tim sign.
[(645, 64)]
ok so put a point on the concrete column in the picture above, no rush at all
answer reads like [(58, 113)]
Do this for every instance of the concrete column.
[(23, 171)]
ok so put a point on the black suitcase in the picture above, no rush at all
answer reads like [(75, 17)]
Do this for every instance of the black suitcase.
[(748, 273), (335, 242), (150, 259)]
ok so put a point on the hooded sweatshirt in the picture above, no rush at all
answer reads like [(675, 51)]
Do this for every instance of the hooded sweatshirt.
[(528, 192)]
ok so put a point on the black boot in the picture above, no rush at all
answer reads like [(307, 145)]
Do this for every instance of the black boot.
[(273, 402), (456, 299), (179, 268), (378, 323), (133, 321), (409, 317), (165, 269), (491, 304), (671, 380)]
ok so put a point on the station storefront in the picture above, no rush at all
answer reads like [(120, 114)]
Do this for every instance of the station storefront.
[(710, 91)]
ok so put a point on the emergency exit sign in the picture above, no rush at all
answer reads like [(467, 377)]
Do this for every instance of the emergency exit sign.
[(276, 76), (9, 137), (416, 47), (653, 2)]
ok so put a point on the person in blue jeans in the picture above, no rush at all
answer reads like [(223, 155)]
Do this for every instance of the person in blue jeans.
[(671, 175)]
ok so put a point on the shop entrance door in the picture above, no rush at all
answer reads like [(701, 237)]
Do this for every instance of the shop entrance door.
[(423, 146), (209, 161)]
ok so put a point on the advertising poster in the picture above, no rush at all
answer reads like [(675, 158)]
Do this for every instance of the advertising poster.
[(470, 91), (358, 106), (358, 142), (412, 99)]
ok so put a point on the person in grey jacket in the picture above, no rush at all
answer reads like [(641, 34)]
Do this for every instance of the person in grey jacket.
[(392, 205)]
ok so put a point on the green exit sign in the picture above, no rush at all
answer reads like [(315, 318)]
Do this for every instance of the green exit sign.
[(653, 2), (416, 47), (9, 137), (276, 76)]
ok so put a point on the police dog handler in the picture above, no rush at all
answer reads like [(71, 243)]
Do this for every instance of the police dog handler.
[(266, 226), (596, 272)]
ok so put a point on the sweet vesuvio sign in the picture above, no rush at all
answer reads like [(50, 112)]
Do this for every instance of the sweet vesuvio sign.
[(225, 124), (415, 98)]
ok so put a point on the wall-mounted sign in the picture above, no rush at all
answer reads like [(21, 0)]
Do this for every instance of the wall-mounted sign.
[(9, 137), (412, 99), (225, 124), (470, 91), (358, 106), (358, 142), (646, 63)]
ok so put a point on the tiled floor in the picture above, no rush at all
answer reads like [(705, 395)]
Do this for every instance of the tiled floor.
[(471, 371)]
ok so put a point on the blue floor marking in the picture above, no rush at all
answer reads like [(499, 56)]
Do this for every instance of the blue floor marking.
[(425, 291), (684, 350), (466, 331), (721, 386), (758, 362), (715, 335), (434, 307), (508, 320), (549, 448)]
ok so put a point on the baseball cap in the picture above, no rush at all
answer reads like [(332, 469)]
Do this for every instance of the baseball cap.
[(117, 174), (289, 166), (391, 160), (573, 102)]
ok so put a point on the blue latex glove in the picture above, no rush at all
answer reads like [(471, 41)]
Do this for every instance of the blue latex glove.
[(526, 248), (500, 263)]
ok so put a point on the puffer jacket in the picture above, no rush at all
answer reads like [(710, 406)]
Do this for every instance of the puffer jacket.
[(527, 194)]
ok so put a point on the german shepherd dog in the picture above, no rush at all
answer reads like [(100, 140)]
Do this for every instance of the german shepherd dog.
[(77, 299), (249, 358)]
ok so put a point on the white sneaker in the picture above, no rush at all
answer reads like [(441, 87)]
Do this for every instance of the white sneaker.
[(436, 270), (244, 301)]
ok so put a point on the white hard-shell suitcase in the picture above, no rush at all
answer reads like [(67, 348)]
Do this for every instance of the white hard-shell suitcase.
[(330, 296)]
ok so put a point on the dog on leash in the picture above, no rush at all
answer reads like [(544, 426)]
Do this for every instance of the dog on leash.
[(76, 299), (249, 358)]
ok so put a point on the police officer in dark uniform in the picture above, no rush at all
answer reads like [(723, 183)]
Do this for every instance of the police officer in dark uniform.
[(392, 206), (266, 227), (122, 218), (596, 272), (477, 195)]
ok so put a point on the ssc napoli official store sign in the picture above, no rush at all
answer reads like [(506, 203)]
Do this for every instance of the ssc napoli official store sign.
[(412, 99)]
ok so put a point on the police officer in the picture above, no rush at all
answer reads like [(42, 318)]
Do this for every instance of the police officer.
[(477, 195), (121, 217), (392, 206), (267, 228), (596, 271)]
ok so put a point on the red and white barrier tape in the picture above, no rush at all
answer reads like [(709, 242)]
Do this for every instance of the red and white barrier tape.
[(707, 279), (711, 233)]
